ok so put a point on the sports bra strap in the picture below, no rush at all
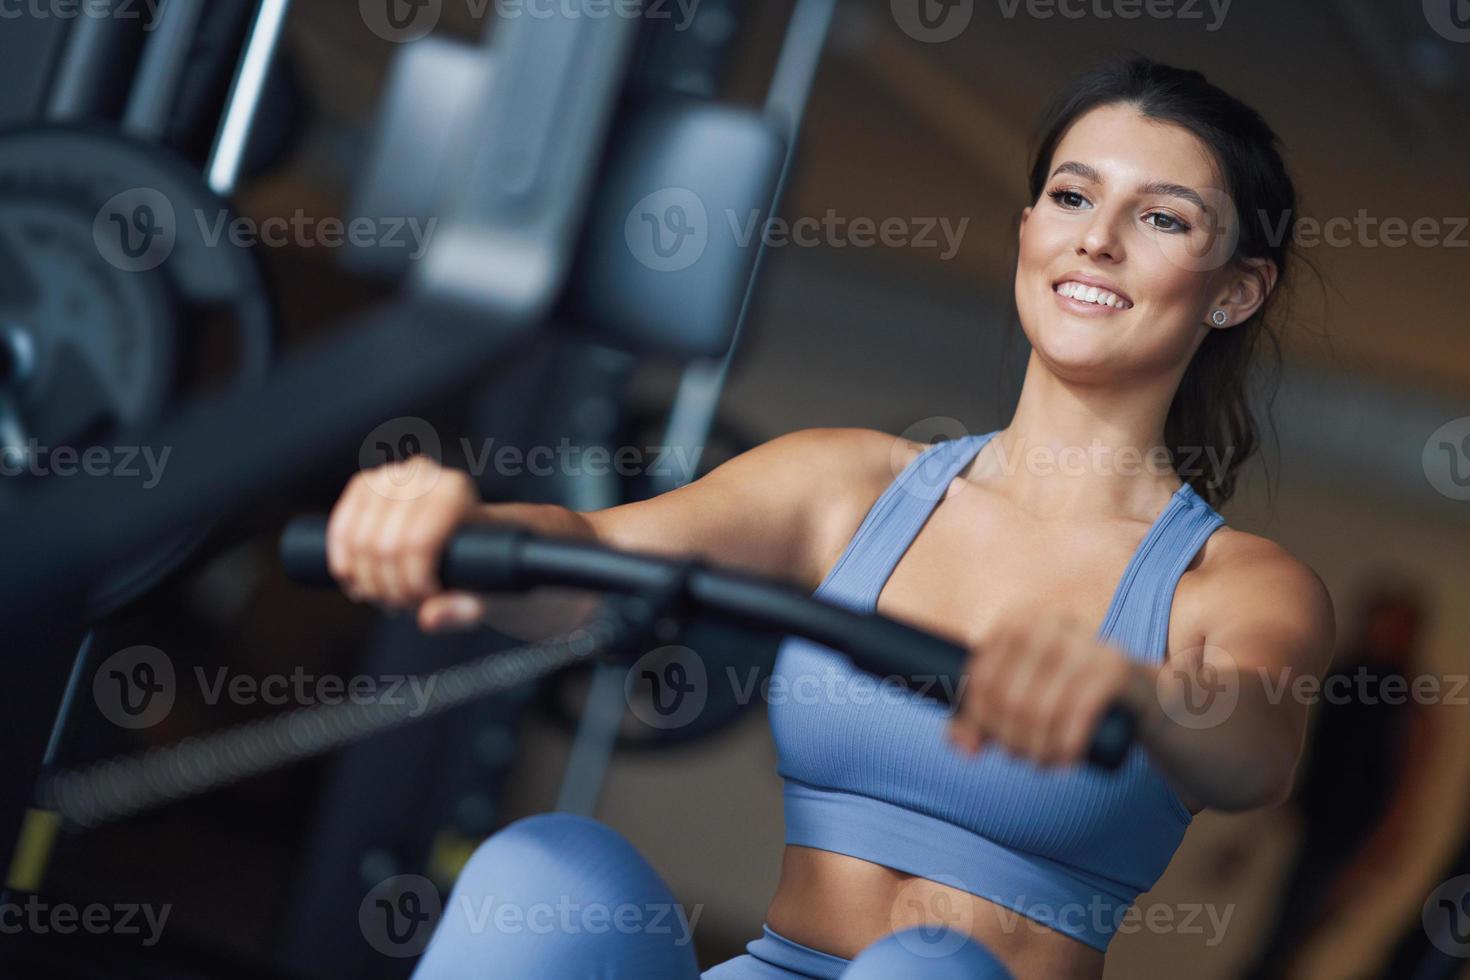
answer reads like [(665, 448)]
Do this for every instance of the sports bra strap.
[(894, 521)]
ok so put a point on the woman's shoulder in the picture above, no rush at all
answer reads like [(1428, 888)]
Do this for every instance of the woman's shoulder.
[(850, 455), (827, 470), (1231, 552), (844, 470), (1240, 582), (849, 469)]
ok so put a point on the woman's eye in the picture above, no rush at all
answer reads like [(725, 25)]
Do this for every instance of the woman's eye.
[(1068, 199), (1169, 222)]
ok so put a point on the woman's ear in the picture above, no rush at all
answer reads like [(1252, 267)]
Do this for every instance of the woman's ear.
[(1251, 285)]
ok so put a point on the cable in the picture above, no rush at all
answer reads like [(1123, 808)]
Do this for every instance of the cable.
[(107, 791)]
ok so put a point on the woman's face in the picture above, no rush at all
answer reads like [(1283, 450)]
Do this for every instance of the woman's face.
[(1134, 208)]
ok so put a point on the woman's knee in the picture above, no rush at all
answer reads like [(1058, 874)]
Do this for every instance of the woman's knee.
[(552, 856), (933, 953), (559, 895)]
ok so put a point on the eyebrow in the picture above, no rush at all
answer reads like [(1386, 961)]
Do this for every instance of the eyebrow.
[(1163, 187)]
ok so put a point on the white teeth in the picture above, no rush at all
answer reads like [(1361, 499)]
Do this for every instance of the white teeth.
[(1091, 294)]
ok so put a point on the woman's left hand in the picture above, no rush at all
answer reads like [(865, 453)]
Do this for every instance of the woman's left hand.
[(1038, 689)]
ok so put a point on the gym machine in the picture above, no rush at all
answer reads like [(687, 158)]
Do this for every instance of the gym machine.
[(553, 150)]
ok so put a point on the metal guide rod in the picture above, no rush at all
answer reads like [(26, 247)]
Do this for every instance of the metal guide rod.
[(602, 714), (165, 55), (33, 851), (796, 67), (592, 748), (88, 65), (223, 167)]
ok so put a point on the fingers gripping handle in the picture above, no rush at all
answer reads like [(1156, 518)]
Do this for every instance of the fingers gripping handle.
[(484, 561), (508, 559)]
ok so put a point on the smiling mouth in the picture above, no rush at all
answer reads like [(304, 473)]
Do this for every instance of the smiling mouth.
[(1096, 296)]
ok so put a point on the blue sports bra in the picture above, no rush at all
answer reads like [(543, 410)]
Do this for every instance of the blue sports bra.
[(869, 773)]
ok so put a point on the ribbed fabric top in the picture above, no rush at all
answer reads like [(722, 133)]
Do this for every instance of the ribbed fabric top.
[(870, 774)]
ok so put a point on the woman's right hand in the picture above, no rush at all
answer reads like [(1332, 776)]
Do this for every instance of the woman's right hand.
[(387, 532)]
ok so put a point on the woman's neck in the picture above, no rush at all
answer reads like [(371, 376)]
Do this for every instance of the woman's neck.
[(1082, 452)]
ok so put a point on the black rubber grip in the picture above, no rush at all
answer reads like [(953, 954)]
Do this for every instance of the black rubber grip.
[(304, 552), (1113, 738)]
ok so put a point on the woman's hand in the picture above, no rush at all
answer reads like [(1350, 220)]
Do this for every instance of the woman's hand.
[(1038, 689), (386, 534)]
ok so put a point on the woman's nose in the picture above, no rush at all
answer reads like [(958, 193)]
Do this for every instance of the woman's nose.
[(1100, 239)]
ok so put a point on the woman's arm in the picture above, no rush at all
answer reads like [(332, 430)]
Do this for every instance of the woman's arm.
[(1229, 719), (1220, 720), (770, 511)]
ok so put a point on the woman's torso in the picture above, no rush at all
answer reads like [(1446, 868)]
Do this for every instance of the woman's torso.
[(841, 904)]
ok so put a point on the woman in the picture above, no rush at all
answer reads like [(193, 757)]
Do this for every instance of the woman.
[(931, 844)]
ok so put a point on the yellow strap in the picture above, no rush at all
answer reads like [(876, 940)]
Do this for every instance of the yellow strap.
[(449, 853), (33, 850)]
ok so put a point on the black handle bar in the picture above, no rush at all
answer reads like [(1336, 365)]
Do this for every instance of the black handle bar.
[(499, 558)]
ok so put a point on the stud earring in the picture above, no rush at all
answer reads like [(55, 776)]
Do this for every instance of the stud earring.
[(1219, 317)]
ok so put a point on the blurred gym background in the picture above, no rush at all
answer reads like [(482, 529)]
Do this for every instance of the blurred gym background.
[(265, 878)]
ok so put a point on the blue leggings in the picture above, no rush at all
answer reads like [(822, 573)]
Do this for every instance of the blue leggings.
[(568, 898)]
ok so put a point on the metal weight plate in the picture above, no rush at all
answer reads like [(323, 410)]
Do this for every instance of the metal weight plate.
[(87, 347), (117, 262)]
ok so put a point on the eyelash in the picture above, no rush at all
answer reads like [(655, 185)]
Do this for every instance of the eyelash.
[(1181, 227)]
